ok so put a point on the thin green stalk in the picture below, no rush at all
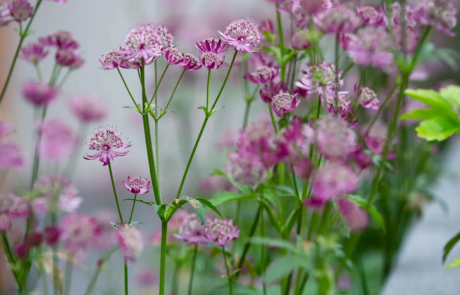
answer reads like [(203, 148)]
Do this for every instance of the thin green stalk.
[(263, 250), (44, 280), (64, 78), (229, 278), (225, 81), (273, 119), (157, 86), (7, 248), (126, 275), (175, 282), (207, 89), (39, 73), (23, 35), (164, 233), (37, 156), (280, 28), (157, 154), (126, 86), (247, 245), (192, 271), (324, 218), (93, 282), (246, 113), (68, 274), (132, 209), (175, 88), (115, 193), (100, 264)]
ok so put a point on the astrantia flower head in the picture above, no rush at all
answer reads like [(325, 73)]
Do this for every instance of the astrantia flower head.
[(441, 14), (61, 39), (173, 56), (147, 43), (211, 45), (211, 60), (242, 34), (65, 58), (376, 137), (362, 159), (52, 235), (191, 231), (11, 155), (337, 20), (5, 16), (336, 103), (112, 60), (79, 231), (33, 53), (303, 168), (371, 15), (107, 143), (15, 206), (397, 11), (267, 93), (356, 217), (266, 28), (245, 169), (334, 179), (221, 231), (315, 78), (368, 98), (137, 185), (299, 41), (21, 10), (131, 241), (314, 6), (371, 46), (38, 93), (88, 109), (56, 192), (57, 140), (284, 103), (335, 139), (262, 75), (191, 63)]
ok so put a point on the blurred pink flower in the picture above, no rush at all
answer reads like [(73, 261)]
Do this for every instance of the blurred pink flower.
[(336, 20), (88, 109), (61, 39), (334, 179), (221, 232), (356, 217), (21, 10), (242, 34), (262, 75), (11, 155), (284, 102), (57, 140), (131, 241), (79, 231), (33, 53), (39, 94), (5, 222), (137, 185)]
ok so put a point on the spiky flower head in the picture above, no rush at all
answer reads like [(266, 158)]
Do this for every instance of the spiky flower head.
[(441, 14), (336, 20), (107, 143), (57, 140), (335, 139), (368, 98), (79, 231), (39, 94), (137, 185), (130, 240), (319, 77), (299, 41), (211, 45), (333, 180), (371, 15), (60, 39), (146, 43), (211, 60), (191, 231), (262, 75), (268, 92), (11, 155), (191, 63), (173, 56), (242, 34), (88, 109), (21, 10), (336, 102), (221, 232), (284, 103), (33, 53), (112, 60)]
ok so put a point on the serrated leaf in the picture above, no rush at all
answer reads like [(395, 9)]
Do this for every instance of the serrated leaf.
[(455, 263), (439, 128), (284, 265), (274, 243), (141, 201), (209, 205), (449, 246), (225, 197), (370, 209)]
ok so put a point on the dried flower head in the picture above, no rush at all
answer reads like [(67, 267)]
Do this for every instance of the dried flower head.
[(337, 20), (61, 39), (131, 241), (33, 53), (262, 75), (284, 103), (333, 180), (79, 231), (221, 231), (39, 94), (211, 60), (211, 45), (242, 34), (137, 185), (20, 10), (88, 109), (57, 140), (191, 63), (11, 155), (107, 143), (173, 56), (368, 98)]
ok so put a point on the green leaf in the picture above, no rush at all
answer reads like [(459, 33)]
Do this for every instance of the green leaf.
[(272, 197), (274, 243), (284, 265), (439, 128), (448, 247), (455, 263), (198, 206), (209, 205), (141, 201), (451, 95), (422, 114), (225, 197), (274, 220), (370, 209), (434, 100)]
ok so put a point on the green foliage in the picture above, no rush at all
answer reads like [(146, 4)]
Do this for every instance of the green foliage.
[(370, 209), (226, 197), (455, 263), (448, 247), (284, 265)]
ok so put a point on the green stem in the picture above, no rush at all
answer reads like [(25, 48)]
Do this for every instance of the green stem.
[(39, 73), (207, 89), (246, 113), (157, 85), (126, 276), (64, 79), (175, 88), (225, 81), (157, 154), (280, 28), (175, 282), (7, 248), (132, 209), (273, 119), (247, 245), (100, 264), (115, 194), (192, 271), (23, 35), (164, 233), (263, 250), (126, 86), (68, 274), (93, 281), (229, 278)]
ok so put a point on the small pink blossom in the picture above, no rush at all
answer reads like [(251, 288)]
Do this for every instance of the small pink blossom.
[(173, 56), (39, 94), (21, 10), (441, 14), (61, 39), (79, 231), (146, 277), (131, 241), (299, 41), (262, 75), (284, 103), (314, 6), (211, 45), (12, 155), (191, 63), (242, 34), (356, 217), (112, 60), (303, 168), (5, 16), (57, 140), (56, 192), (245, 169), (334, 179), (5, 222), (362, 159), (336, 20), (368, 98), (211, 60), (88, 109), (137, 185), (33, 53), (376, 137), (372, 16), (66, 57), (221, 232), (107, 143), (336, 102), (52, 235), (191, 231), (5, 128), (319, 78), (335, 139), (268, 92), (20, 207)]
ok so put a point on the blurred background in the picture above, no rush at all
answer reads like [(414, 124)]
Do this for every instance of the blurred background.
[(100, 26)]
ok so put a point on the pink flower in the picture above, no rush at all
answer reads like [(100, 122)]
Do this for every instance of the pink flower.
[(211, 45), (314, 6), (245, 169), (173, 56), (377, 137), (88, 109), (314, 203), (262, 75), (147, 43), (112, 60), (20, 10), (362, 160), (131, 241), (266, 27), (336, 20), (56, 192), (191, 231), (303, 168), (242, 34), (191, 63), (410, 16), (11, 155), (334, 179), (356, 217), (284, 103), (79, 231), (5, 222), (65, 57), (211, 60), (368, 98), (221, 231), (57, 140), (39, 94), (33, 53), (5, 16), (441, 14), (52, 235), (108, 145), (317, 78), (372, 16), (329, 101), (299, 41), (61, 39), (21, 250), (20, 207), (146, 277), (410, 38), (268, 92), (137, 185), (335, 139)]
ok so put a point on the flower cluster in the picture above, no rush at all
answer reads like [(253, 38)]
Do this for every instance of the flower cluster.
[(107, 143)]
